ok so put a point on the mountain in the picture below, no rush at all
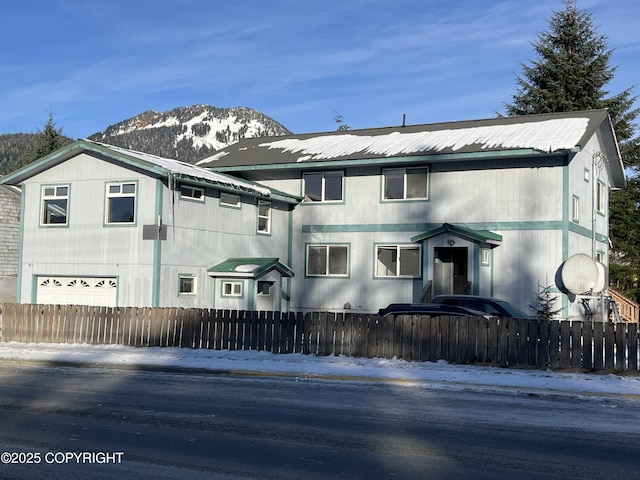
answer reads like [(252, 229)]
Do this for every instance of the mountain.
[(189, 133)]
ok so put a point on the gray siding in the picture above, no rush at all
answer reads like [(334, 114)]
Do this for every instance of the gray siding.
[(9, 231)]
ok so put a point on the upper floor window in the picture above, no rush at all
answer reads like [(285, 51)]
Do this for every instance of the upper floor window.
[(575, 209), (323, 187), (229, 199), (121, 202), (55, 200), (327, 260), (601, 198), (192, 193), (406, 183), (264, 217), (397, 261)]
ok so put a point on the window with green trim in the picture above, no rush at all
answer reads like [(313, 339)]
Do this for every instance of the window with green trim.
[(406, 183), (55, 201), (327, 260), (397, 261)]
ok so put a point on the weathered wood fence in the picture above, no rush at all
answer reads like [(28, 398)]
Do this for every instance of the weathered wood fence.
[(576, 345)]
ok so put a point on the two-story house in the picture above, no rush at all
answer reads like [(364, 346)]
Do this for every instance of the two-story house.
[(491, 207), (103, 225), (341, 221)]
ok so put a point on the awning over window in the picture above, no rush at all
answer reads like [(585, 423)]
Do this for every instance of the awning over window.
[(480, 236), (249, 267)]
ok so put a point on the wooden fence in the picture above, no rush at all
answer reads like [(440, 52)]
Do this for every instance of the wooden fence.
[(584, 346)]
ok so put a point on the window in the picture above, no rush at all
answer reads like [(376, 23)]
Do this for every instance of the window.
[(405, 183), (229, 199), (54, 205), (485, 257), (323, 187), (231, 289), (192, 193), (397, 261), (575, 209), (121, 202), (328, 260), (601, 198), (186, 285), (264, 217)]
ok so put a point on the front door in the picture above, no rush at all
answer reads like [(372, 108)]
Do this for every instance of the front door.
[(450, 270)]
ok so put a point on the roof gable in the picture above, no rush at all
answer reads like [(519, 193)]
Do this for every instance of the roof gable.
[(148, 163)]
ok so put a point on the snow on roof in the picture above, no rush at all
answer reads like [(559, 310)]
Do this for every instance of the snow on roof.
[(181, 168), (546, 136)]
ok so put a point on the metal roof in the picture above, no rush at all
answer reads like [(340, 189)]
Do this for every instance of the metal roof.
[(249, 267)]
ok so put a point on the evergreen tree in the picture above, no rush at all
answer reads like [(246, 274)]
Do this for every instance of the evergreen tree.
[(47, 141), (571, 73), (544, 305)]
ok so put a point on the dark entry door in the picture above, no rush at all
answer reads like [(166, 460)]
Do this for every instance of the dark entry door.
[(450, 270)]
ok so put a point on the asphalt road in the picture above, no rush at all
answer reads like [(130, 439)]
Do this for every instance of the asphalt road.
[(106, 424)]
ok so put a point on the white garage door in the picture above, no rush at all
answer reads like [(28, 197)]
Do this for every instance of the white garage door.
[(77, 291)]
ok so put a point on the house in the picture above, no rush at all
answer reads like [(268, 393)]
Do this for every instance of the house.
[(9, 233), (345, 221), (490, 207), (103, 225)]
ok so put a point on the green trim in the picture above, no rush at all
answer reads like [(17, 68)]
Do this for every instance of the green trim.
[(157, 250), (566, 225), (289, 257), (23, 195), (251, 294), (484, 236), (237, 267)]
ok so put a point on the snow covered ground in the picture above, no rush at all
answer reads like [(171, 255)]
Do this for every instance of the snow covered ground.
[(249, 362)]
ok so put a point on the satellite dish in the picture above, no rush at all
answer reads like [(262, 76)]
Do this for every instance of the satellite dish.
[(580, 274), (602, 278)]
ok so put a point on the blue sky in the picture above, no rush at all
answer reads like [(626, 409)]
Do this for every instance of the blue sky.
[(302, 62)]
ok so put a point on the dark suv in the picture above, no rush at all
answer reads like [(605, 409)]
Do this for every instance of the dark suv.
[(492, 306)]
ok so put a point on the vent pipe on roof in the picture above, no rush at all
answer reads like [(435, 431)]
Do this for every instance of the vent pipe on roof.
[(404, 119)]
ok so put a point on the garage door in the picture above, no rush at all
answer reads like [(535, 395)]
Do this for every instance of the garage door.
[(77, 291)]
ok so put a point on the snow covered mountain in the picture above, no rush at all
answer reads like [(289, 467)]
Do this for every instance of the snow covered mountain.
[(189, 133)]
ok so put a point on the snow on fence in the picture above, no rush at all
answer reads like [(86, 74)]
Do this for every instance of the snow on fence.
[(584, 346)]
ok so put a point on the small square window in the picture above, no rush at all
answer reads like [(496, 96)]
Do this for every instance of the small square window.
[(186, 285), (232, 289), (485, 257)]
